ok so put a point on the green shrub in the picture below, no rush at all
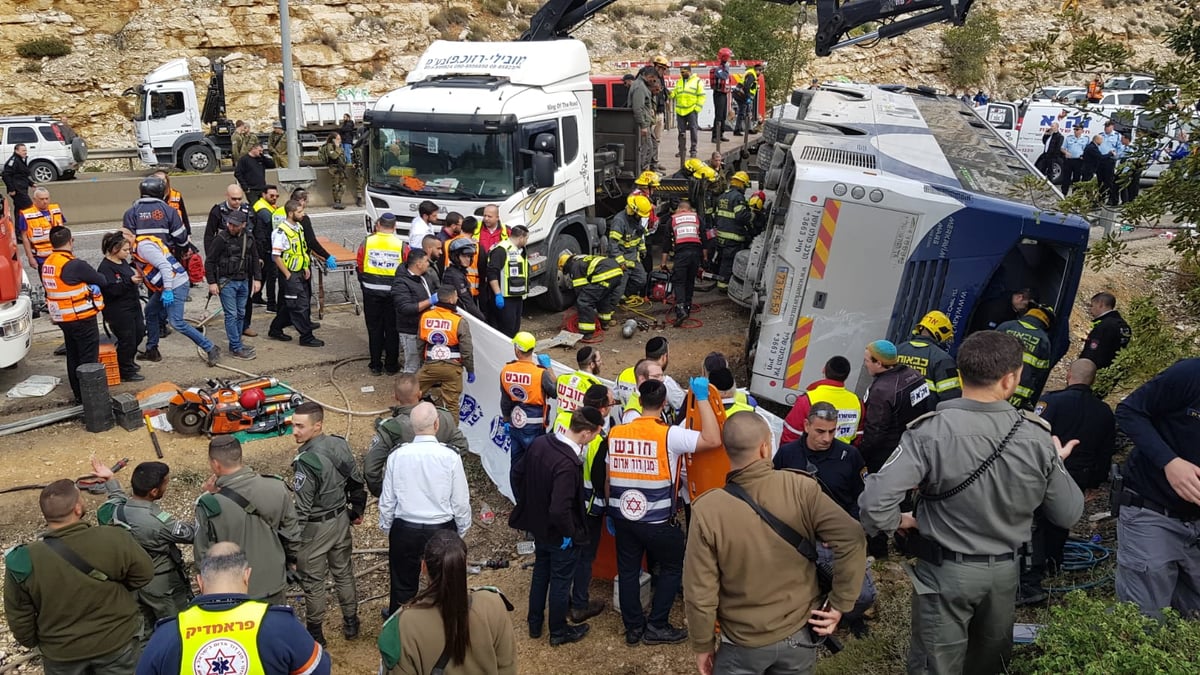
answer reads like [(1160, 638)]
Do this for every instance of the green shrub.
[(32, 67), (450, 16), (617, 10), (967, 48), (497, 7), (36, 48), (1154, 346), (1090, 637)]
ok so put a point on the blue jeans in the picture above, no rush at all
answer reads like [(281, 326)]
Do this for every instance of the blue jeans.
[(349, 150), (233, 305), (663, 543), (552, 572), (155, 310), (523, 438)]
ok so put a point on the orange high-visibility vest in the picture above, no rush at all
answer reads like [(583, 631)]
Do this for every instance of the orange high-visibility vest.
[(522, 383), (438, 328), (67, 302)]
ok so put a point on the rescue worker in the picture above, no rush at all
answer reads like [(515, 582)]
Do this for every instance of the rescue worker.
[(397, 430), (741, 573), (687, 242), (379, 257), (174, 199), (734, 221), (251, 171), (595, 497), (1159, 497), (34, 225), (644, 185), (289, 253), (79, 624), (17, 177), (277, 144), (983, 468), (721, 81), (688, 95), (526, 386), (596, 280), (151, 216), (643, 370), (571, 388), (268, 214), (156, 531), (1010, 306), (723, 380), (461, 256), (643, 460), (334, 159), (1031, 329), (925, 353), (227, 631), (657, 350), (254, 511), (169, 285), (122, 303), (240, 141), (641, 103), (331, 496), (446, 339), (73, 299), (1109, 333), (412, 293), (696, 172), (488, 233), (750, 82), (234, 274), (508, 277), (830, 389), (627, 244), (897, 395)]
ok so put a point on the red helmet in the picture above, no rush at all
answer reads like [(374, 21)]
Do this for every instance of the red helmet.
[(725, 53), (252, 398)]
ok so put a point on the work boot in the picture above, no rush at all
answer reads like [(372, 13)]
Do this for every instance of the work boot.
[(249, 332), (681, 315), (257, 299), (858, 628), (1031, 595), (312, 342), (245, 353), (350, 626), (132, 377), (337, 206), (666, 635), (317, 632), (571, 634), (151, 354), (279, 335), (61, 350), (580, 615)]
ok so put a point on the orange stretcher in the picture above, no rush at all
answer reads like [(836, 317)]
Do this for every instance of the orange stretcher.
[(347, 267)]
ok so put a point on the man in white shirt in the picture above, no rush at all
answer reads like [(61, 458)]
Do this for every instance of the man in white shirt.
[(427, 213), (424, 490)]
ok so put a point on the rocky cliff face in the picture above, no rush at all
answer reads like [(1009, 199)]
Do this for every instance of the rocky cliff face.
[(370, 45)]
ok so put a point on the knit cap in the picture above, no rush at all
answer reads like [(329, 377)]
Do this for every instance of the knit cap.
[(883, 351)]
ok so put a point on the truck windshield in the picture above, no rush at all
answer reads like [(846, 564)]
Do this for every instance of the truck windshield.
[(140, 115), (440, 163)]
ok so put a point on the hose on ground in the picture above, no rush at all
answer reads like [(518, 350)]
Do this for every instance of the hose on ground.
[(1080, 556), (344, 411)]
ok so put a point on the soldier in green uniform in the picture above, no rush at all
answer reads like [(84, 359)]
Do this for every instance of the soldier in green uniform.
[(156, 531), (277, 143), (330, 497), (983, 468), (331, 155), (397, 430), (69, 594), (240, 141), (254, 512)]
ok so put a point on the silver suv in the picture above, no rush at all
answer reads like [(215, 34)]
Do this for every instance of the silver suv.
[(55, 150)]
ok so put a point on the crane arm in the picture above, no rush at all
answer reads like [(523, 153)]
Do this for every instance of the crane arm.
[(557, 18), (836, 18)]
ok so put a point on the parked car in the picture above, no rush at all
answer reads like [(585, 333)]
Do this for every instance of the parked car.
[(1128, 82), (55, 150)]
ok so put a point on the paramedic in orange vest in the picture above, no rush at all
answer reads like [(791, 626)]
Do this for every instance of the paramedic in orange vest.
[(175, 200), (446, 350), (73, 298), (687, 239), (643, 473), (830, 390), (34, 225), (526, 385)]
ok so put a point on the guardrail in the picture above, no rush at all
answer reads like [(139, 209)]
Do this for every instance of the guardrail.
[(130, 154)]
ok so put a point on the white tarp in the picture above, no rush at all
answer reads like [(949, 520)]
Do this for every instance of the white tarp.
[(479, 414)]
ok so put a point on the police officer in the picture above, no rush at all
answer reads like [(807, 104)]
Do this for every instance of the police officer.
[(379, 257), (1072, 148), (447, 350), (597, 281), (462, 274), (254, 511), (35, 223), (983, 468), (332, 156), (151, 216), (526, 387), (1159, 504), (687, 241), (80, 624), (290, 255), (397, 430), (925, 353), (734, 221), (627, 243), (508, 277), (330, 497), (1031, 329), (268, 214), (234, 275), (1109, 334), (831, 389), (156, 531), (277, 144), (17, 178), (643, 459), (73, 299), (227, 631)]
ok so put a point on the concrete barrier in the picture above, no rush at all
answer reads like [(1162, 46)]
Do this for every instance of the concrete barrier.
[(103, 198)]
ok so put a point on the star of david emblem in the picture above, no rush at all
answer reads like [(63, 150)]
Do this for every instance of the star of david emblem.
[(633, 504)]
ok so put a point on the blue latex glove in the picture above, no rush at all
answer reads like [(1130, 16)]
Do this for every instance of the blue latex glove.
[(168, 297), (470, 378), (700, 388), (94, 289), (608, 525), (499, 302), (433, 298), (507, 429), (330, 263), (543, 360), (566, 543)]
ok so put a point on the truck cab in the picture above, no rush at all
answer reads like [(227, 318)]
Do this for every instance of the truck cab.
[(167, 123)]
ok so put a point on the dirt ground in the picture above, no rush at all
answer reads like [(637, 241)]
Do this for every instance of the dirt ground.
[(63, 450)]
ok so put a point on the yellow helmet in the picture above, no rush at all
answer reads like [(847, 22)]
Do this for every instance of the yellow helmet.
[(563, 258), (524, 341), (938, 325), (661, 60), (740, 177), (692, 165), (756, 200), (706, 172), (647, 178), (640, 205)]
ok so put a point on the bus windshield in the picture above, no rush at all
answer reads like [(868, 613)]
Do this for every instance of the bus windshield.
[(441, 164)]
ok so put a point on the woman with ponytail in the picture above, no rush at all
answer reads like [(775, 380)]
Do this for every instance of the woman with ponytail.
[(448, 629)]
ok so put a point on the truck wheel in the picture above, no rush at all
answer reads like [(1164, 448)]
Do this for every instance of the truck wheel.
[(43, 171), (198, 158), (559, 295)]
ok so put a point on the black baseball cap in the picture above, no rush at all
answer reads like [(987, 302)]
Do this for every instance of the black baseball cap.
[(236, 217)]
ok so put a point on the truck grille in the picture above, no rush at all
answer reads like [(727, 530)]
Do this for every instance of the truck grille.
[(920, 292), (814, 153)]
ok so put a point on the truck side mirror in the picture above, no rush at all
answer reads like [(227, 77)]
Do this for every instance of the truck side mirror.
[(543, 169)]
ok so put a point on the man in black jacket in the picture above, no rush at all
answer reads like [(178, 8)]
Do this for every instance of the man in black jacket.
[(1110, 333), (234, 273), (235, 200), (461, 257), (1052, 154), (412, 293), (17, 179), (251, 172), (548, 486)]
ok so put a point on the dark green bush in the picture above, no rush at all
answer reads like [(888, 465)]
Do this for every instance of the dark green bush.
[(36, 48)]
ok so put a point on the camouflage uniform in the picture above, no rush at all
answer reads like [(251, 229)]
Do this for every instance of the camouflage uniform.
[(332, 156), (277, 143), (240, 145)]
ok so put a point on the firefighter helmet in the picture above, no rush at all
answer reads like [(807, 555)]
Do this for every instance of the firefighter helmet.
[(740, 177), (563, 258), (725, 53), (1041, 312), (938, 325), (692, 165), (757, 200), (639, 205), (648, 178), (661, 60)]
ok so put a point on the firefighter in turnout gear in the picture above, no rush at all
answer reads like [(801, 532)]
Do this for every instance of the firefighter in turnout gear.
[(926, 354), (526, 386), (1031, 329), (687, 240), (596, 280), (447, 352), (627, 243), (734, 223)]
